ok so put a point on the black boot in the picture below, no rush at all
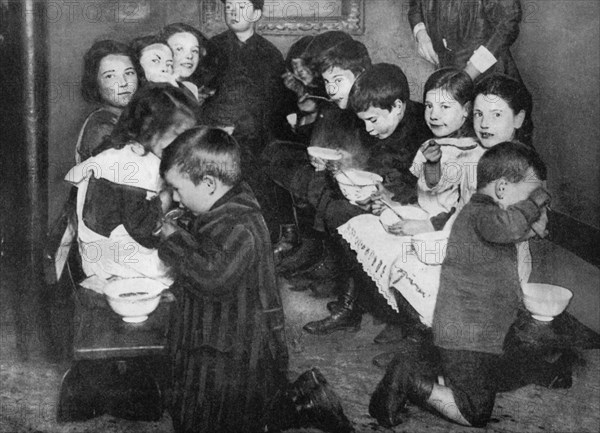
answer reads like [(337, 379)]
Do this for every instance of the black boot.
[(303, 257), (348, 316), (310, 242), (326, 268), (325, 277), (407, 378), (288, 241)]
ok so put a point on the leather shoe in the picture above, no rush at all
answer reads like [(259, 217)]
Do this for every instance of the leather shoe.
[(402, 381), (390, 334), (389, 398), (344, 319), (325, 268), (303, 257)]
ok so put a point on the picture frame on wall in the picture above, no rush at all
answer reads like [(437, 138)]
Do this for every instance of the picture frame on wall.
[(297, 17)]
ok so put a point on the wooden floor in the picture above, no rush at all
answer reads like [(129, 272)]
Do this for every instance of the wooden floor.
[(29, 390)]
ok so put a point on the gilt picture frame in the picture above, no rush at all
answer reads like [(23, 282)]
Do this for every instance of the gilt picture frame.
[(293, 17)]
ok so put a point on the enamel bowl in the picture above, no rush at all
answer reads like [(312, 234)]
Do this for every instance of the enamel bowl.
[(357, 185), (431, 247), (134, 298), (545, 301), (390, 217)]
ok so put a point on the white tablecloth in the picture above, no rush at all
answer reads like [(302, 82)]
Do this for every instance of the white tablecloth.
[(392, 264)]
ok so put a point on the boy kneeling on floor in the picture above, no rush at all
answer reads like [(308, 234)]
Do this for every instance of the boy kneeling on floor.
[(479, 306), (227, 338)]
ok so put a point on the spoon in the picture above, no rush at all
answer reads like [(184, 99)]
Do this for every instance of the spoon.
[(448, 143), (317, 97), (390, 206)]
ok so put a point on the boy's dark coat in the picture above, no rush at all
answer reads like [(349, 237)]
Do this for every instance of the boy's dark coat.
[(227, 337)]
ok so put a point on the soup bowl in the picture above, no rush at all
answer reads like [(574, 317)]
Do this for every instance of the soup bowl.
[(134, 298), (545, 301), (357, 185)]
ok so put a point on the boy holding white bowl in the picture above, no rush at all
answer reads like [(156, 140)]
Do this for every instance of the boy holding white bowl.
[(478, 301), (381, 98)]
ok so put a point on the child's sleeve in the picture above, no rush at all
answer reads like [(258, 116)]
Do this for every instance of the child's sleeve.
[(215, 269), (107, 205), (513, 224), (141, 217)]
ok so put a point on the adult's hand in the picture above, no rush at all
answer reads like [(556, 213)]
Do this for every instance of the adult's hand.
[(425, 47)]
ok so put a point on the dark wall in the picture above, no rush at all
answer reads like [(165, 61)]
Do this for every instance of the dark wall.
[(557, 53)]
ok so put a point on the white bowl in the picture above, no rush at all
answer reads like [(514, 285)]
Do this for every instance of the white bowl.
[(357, 185), (431, 247), (389, 217), (324, 153), (545, 301), (134, 298)]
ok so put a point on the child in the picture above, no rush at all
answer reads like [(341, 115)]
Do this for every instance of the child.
[(380, 96), (445, 166), (249, 89), (228, 298), (306, 54), (155, 59), (118, 199), (478, 300), (502, 111), (109, 79), (251, 98), (340, 66), (189, 50), (500, 123), (346, 53), (304, 82)]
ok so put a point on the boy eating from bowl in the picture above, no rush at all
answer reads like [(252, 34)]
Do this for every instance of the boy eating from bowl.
[(477, 352), (227, 335), (381, 98)]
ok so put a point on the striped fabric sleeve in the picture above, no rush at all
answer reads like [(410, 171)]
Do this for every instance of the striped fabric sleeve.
[(214, 268)]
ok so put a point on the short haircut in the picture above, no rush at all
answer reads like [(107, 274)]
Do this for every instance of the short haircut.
[(258, 4), (380, 86), (91, 63), (152, 111), (509, 160), (203, 151), (321, 43), (349, 55), (515, 94)]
